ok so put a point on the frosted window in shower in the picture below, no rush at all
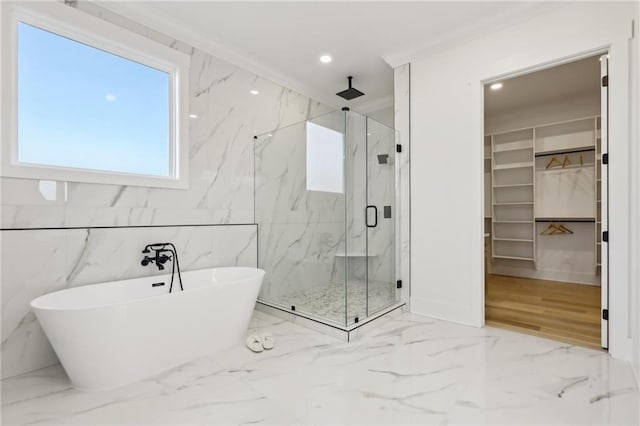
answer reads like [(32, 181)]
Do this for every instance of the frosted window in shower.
[(325, 159)]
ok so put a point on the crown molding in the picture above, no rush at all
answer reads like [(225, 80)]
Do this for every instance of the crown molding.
[(469, 33), (145, 16)]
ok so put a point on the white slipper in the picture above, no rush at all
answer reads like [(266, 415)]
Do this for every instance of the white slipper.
[(267, 340), (254, 343)]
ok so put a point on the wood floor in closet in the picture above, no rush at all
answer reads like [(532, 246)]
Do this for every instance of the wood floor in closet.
[(555, 310)]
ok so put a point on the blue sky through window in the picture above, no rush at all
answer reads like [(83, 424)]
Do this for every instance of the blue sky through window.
[(82, 107)]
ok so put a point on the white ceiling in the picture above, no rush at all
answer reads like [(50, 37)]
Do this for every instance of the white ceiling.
[(282, 41), (572, 80)]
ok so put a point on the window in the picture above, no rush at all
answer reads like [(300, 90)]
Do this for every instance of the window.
[(91, 102), (325, 159)]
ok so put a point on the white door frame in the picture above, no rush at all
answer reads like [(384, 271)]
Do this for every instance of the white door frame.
[(518, 73), (604, 203)]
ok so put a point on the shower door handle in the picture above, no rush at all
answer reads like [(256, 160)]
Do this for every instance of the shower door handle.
[(366, 216)]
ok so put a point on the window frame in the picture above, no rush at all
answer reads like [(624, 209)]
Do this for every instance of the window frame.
[(81, 27)]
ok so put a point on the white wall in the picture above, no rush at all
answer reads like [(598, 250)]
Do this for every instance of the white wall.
[(446, 131), (635, 212)]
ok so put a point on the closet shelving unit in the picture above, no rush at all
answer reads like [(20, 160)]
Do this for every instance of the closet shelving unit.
[(487, 176), (512, 193), (516, 156)]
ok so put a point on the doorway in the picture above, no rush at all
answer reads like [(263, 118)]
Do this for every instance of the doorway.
[(545, 215)]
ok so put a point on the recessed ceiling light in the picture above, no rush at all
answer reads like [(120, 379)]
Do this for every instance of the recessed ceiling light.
[(193, 116), (496, 86), (254, 92), (325, 59)]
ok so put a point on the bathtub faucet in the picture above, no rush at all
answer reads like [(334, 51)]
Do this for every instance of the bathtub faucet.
[(160, 259)]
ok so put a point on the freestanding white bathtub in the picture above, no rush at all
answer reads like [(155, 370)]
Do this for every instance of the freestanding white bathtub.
[(111, 334)]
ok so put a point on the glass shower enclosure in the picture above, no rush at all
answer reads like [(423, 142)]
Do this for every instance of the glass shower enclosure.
[(325, 205)]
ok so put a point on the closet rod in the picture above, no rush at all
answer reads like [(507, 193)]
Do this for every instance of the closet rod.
[(566, 219), (564, 151)]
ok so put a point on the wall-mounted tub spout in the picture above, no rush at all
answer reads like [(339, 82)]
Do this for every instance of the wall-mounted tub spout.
[(160, 259)]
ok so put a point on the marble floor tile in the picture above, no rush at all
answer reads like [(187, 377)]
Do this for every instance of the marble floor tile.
[(407, 369)]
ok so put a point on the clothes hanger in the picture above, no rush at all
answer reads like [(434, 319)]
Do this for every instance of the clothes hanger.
[(566, 161), (553, 161), (549, 230), (553, 229), (556, 229), (564, 229)]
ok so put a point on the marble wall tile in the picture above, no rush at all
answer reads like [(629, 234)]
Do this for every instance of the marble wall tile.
[(402, 81), (37, 262), (300, 230), (97, 255), (298, 257), (31, 192), (280, 176), (356, 184), (24, 216), (33, 263), (221, 154)]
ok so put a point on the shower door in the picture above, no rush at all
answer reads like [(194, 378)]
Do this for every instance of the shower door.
[(370, 238), (381, 216)]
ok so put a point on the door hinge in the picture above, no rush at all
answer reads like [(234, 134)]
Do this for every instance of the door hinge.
[(605, 236), (398, 148), (605, 314), (399, 284), (605, 81), (605, 159)]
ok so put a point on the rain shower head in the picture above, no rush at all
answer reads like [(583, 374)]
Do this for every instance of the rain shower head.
[(351, 92)]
